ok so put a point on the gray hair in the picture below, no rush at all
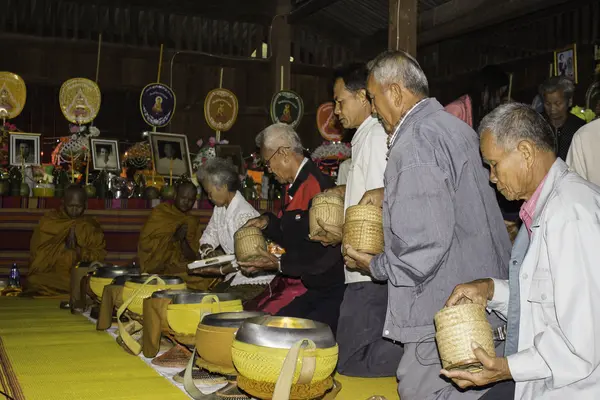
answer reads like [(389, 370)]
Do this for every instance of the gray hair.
[(399, 67), (556, 83), (280, 135), (219, 172), (510, 123)]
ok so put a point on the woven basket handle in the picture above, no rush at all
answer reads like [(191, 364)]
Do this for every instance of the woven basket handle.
[(133, 326), (209, 299), (286, 376), (188, 381)]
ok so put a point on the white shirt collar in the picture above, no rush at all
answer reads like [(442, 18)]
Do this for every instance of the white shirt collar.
[(299, 169), (393, 137), (363, 129)]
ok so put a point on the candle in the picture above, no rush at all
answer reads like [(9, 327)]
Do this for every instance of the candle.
[(281, 86), (87, 167), (72, 170), (550, 70), (153, 170), (510, 79), (171, 173), (221, 79)]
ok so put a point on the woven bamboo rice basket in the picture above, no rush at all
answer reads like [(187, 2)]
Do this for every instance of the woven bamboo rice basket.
[(363, 229), (327, 207), (246, 241), (457, 327)]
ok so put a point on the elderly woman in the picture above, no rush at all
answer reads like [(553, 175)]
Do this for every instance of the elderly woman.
[(306, 263), (220, 180), (557, 93), (553, 339)]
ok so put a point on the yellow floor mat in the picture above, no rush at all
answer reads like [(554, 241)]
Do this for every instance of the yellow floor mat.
[(363, 388), (59, 356)]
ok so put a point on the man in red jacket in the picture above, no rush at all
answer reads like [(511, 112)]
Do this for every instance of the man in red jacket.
[(320, 269)]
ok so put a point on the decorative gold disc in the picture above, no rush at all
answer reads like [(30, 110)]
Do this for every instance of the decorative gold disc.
[(80, 100), (13, 94)]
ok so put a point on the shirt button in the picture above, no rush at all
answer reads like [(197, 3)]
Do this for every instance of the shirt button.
[(544, 297), (514, 262), (387, 332), (525, 276)]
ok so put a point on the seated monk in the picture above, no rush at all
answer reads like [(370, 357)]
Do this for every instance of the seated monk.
[(170, 239), (63, 238)]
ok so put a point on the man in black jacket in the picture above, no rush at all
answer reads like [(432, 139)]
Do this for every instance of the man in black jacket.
[(320, 268)]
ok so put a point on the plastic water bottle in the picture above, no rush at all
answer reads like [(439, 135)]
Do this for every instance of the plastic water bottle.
[(14, 278)]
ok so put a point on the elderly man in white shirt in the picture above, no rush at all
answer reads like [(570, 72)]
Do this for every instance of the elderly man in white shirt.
[(550, 300), (584, 153), (220, 180), (363, 350)]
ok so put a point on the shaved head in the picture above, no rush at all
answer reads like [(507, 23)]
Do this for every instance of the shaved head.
[(185, 197), (75, 201)]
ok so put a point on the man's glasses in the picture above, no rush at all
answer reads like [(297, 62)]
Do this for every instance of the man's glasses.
[(268, 162)]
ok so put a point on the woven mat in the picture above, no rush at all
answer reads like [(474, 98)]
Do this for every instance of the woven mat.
[(55, 355), (176, 357)]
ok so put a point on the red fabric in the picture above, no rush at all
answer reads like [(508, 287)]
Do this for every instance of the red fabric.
[(462, 108), (527, 211), (281, 291)]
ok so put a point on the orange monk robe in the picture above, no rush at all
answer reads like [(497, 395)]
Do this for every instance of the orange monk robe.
[(159, 254), (51, 262)]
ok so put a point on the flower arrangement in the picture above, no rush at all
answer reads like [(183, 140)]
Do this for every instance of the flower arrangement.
[(338, 151), (206, 152), (4, 139), (138, 156)]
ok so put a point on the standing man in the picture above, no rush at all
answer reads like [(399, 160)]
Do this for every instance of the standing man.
[(441, 220), (584, 153), (557, 93), (550, 300), (363, 351)]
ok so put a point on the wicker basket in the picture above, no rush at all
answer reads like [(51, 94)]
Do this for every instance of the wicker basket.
[(327, 207), (363, 229), (457, 327), (246, 241)]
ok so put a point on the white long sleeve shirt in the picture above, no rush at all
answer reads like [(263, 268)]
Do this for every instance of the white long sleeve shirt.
[(223, 224), (559, 282), (584, 153), (369, 149)]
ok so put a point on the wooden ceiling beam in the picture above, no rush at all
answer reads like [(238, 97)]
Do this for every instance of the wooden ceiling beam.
[(307, 8), (458, 17)]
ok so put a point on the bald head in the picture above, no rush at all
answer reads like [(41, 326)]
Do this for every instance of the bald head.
[(75, 201), (185, 196)]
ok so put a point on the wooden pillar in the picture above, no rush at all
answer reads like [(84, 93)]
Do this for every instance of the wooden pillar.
[(402, 33), (281, 35)]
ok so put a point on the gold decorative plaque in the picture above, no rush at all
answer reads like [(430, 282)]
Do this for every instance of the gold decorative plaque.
[(80, 100), (13, 94)]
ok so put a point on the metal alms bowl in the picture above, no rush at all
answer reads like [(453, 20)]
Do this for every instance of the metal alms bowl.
[(168, 279), (193, 297), (168, 293), (113, 272), (230, 319), (284, 332)]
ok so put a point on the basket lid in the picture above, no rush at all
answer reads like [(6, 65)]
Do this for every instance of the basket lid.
[(229, 319), (168, 279), (284, 332), (328, 198), (248, 231)]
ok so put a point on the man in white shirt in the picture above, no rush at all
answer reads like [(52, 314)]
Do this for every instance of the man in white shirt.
[(550, 299), (584, 153), (363, 350)]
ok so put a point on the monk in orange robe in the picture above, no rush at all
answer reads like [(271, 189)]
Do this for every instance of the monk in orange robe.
[(170, 239), (63, 238)]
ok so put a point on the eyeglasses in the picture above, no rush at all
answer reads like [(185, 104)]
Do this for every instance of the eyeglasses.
[(268, 162)]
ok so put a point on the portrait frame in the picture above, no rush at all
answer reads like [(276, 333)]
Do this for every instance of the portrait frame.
[(561, 62), (16, 138), (114, 146), (156, 139), (234, 152)]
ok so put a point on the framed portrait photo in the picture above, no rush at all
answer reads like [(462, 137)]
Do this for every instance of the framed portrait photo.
[(105, 155), (170, 151), (24, 149), (565, 62), (233, 154)]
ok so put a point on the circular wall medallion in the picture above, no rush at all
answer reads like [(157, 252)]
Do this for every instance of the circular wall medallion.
[(13, 94), (328, 123), (79, 100), (287, 107), (220, 109), (157, 104)]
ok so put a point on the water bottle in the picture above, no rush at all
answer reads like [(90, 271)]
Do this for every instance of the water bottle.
[(14, 278)]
